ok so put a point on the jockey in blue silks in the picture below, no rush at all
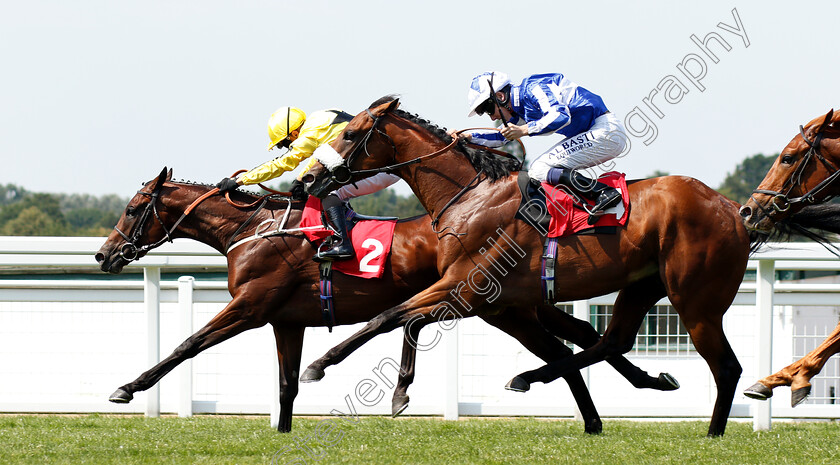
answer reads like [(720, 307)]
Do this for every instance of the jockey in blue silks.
[(548, 104)]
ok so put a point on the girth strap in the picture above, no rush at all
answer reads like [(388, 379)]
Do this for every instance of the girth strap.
[(327, 307), (549, 259)]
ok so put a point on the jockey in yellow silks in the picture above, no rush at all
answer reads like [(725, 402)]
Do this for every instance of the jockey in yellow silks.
[(290, 128)]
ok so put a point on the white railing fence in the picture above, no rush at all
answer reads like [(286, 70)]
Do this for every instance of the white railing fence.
[(70, 336)]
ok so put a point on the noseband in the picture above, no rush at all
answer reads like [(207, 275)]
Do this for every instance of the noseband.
[(781, 200), (130, 251)]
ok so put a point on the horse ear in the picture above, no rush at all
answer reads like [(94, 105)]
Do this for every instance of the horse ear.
[(169, 175), (386, 107), (827, 119), (162, 178)]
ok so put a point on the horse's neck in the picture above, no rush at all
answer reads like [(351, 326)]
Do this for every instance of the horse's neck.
[(437, 182), (213, 222)]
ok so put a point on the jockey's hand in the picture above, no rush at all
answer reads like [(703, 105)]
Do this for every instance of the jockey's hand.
[(227, 185), (298, 193), (464, 136), (513, 132)]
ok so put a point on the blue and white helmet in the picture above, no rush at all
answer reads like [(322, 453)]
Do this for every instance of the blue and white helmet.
[(480, 88)]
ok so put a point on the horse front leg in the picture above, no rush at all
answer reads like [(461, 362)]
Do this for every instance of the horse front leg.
[(528, 330), (414, 309), (798, 374), (232, 320), (289, 347)]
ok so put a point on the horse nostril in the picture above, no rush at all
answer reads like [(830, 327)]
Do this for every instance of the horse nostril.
[(745, 212), (307, 178), (100, 257)]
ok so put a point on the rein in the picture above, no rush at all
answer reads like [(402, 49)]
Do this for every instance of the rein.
[(782, 201), (347, 173), (345, 166)]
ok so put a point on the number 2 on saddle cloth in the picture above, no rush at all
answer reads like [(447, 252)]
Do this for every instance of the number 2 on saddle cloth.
[(371, 241)]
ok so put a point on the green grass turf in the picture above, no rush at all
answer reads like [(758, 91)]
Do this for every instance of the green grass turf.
[(373, 440)]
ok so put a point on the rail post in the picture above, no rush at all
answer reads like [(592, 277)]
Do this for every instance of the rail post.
[(186, 284), (151, 299), (580, 310), (765, 277)]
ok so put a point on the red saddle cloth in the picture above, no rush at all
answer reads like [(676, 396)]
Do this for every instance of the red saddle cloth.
[(567, 219), (371, 241)]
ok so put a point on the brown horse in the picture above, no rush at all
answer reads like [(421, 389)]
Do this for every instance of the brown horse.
[(274, 280), (804, 174), (683, 240)]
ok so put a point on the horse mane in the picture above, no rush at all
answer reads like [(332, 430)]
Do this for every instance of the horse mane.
[(495, 166), (253, 196), (814, 222)]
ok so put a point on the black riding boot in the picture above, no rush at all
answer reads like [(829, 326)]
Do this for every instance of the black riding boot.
[(337, 216), (603, 195)]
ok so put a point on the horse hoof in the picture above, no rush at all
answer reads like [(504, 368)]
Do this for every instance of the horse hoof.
[(311, 375), (594, 428), (399, 405), (121, 396), (668, 382), (518, 384), (799, 395), (758, 391)]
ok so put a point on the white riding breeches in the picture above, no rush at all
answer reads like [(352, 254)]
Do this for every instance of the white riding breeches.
[(369, 185), (604, 141)]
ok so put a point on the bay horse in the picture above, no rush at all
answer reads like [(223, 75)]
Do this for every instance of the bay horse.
[(683, 240), (274, 281), (804, 174)]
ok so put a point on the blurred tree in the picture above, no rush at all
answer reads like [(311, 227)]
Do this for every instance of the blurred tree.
[(739, 184), (32, 221), (11, 193), (47, 203)]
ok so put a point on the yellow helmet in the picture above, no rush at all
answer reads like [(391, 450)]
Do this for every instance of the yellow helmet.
[(282, 122)]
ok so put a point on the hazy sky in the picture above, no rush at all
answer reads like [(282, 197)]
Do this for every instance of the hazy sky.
[(98, 96)]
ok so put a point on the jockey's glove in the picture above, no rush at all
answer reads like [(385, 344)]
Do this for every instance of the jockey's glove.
[(227, 185), (297, 190)]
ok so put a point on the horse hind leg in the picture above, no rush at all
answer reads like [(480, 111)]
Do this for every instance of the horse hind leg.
[(583, 335), (629, 310)]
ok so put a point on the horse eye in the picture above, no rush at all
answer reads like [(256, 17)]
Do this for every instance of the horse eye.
[(349, 135), (130, 211), (787, 159)]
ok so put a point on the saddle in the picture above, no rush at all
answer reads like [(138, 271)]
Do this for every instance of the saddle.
[(565, 215), (534, 210)]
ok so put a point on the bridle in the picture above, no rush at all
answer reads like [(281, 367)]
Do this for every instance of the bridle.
[(343, 174), (130, 251), (782, 201)]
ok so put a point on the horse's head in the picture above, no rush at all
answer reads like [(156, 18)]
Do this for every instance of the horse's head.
[(139, 229), (358, 152), (803, 174)]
